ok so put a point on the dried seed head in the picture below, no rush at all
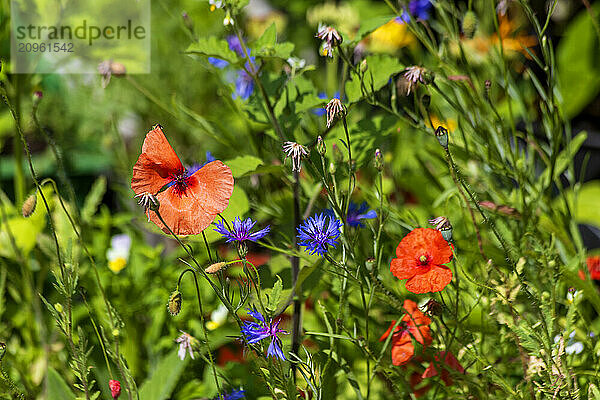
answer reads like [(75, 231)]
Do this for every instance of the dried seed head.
[(329, 35), (432, 308), (216, 267), (441, 134), (335, 109), (174, 305), (443, 225), (29, 206), (296, 152), (148, 201)]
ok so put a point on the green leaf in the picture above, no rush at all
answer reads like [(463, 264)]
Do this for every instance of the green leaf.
[(164, 378), (586, 208), (275, 294), (93, 199), (267, 46), (564, 159), (242, 165), (381, 68), (213, 47), (577, 58), (369, 25), (57, 388)]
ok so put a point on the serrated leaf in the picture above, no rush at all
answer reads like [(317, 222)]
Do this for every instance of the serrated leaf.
[(275, 294), (57, 387), (164, 377), (213, 47)]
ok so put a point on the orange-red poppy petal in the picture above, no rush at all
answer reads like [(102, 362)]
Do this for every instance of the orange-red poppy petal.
[(402, 353), (404, 268), (156, 163), (434, 280), (212, 186), (183, 214)]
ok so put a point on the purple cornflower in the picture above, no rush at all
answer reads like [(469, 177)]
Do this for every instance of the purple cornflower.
[(316, 234), (357, 213), (257, 331), (416, 8), (234, 395), (241, 230)]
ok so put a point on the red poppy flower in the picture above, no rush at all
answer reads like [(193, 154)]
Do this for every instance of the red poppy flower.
[(414, 325), (449, 361), (190, 199), (593, 264), (420, 257), (414, 380)]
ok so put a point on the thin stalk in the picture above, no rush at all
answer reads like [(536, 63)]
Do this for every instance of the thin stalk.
[(297, 291)]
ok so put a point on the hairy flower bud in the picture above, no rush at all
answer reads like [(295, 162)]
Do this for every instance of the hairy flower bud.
[(216, 267), (441, 134), (174, 305), (29, 206), (363, 66), (332, 168), (469, 24)]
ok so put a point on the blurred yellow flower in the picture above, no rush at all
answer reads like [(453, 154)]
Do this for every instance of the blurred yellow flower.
[(449, 124), (217, 318), (390, 37), (118, 253)]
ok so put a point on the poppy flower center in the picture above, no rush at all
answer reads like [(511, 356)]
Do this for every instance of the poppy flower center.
[(180, 183), (423, 260)]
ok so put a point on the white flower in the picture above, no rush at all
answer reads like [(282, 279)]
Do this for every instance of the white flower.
[(185, 343), (295, 151), (217, 317), (296, 63), (118, 253), (572, 346), (214, 4), (228, 20)]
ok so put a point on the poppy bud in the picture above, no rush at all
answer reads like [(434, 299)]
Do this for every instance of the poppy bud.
[(469, 24), (321, 148), (29, 206), (441, 134), (378, 160), (117, 69), (174, 305), (37, 97), (216, 267), (115, 388)]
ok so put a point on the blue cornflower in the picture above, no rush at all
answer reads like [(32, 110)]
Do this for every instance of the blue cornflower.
[(319, 112), (244, 85), (241, 230), (356, 213), (257, 331), (416, 8), (234, 395), (234, 45), (316, 234)]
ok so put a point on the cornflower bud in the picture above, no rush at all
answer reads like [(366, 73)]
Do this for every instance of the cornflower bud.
[(332, 168), (363, 66), (174, 305), (441, 134), (37, 97), (378, 160), (321, 148)]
